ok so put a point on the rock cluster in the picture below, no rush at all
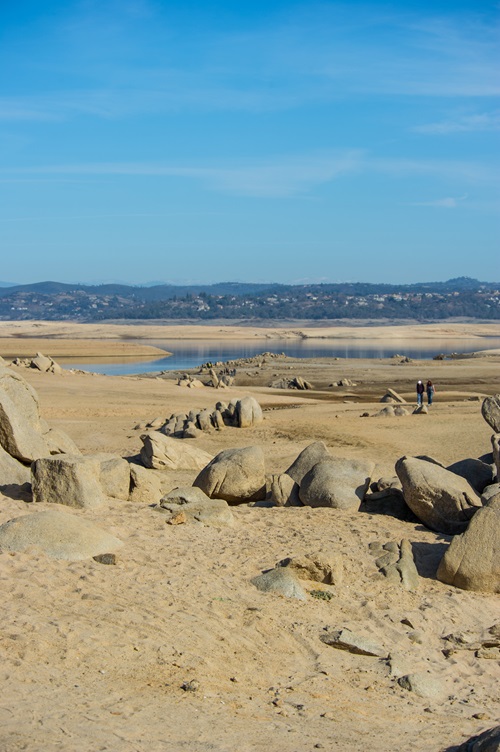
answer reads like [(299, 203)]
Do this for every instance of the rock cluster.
[(295, 382), (41, 362), (240, 413)]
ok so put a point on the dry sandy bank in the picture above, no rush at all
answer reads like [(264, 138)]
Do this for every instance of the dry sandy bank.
[(94, 657)]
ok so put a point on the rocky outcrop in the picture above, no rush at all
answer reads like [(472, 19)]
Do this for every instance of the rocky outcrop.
[(164, 453), (443, 501), (472, 561), (336, 482), (68, 480), (235, 475), (58, 534)]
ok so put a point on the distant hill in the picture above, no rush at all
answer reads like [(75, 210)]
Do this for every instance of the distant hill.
[(461, 297)]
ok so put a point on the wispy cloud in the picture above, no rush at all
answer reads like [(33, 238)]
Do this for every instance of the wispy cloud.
[(273, 177), (450, 202), (486, 121), (144, 59)]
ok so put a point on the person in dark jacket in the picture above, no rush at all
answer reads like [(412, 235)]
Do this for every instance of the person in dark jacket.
[(420, 392)]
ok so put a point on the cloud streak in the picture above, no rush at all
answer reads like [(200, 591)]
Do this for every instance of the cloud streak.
[(277, 177)]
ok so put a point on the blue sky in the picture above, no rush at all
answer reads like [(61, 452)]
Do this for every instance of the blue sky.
[(149, 140)]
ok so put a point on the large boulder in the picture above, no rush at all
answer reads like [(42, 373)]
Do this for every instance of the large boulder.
[(308, 457), (161, 452), (495, 442), (58, 534), (472, 560), (235, 475), (479, 474), (248, 412), (12, 472), (21, 427), (68, 480), (443, 501), (196, 506), (336, 482), (490, 410), (22, 395), (488, 741), (114, 475)]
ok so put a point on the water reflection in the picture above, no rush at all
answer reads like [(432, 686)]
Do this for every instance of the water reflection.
[(192, 353)]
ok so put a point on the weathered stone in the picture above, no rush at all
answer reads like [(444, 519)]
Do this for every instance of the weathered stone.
[(399, 411), (403, 570), (57, 534), (443, 501), (145, 485), (389, 482), (491, 496), (197, 506), (20, 419), (495, 443), (283, 491), (308, 457), (114, 475), (421, 410), (472, 560), (156, 423), (204, 422), (477, 473), (422, 684), (41, 362), (12, 472), (280, 581), (248, 412), (344, 639), (320, 567), (164, 453), (191, 431), (488, 741), (59, 442), (68, 480), (396, 397), (386, 412), (236, 475), (218, 420), (490, 410), (336, 482)]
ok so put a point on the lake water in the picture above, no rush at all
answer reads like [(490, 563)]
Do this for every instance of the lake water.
[(192, 353)]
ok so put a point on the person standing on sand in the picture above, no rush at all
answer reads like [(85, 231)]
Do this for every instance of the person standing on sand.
[(420, 392), (430, 392)]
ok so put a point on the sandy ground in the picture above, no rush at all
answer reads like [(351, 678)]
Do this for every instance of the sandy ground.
[(94, 657)]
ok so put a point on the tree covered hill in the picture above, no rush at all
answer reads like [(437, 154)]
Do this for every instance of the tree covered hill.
[(461, 297)]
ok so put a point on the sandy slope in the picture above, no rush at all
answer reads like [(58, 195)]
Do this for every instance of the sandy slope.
[(94, 656)]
